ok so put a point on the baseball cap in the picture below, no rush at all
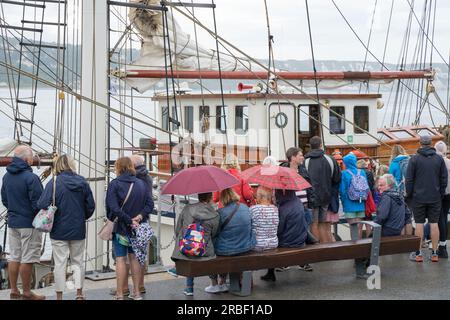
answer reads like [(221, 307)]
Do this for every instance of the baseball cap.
[(425, 140)]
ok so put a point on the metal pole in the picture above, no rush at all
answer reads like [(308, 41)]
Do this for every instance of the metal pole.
[(158, 224), (94, 84)]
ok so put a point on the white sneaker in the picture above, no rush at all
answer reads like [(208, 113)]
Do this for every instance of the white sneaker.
[(223, 288), (212, 289)]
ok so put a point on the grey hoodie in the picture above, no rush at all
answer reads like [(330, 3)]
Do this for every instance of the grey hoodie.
[(209, 219)]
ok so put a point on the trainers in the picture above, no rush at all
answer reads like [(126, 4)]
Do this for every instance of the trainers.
[(173, 272), (442, 252), (223, 287), (434, 257), (212, 289), (113, 292), (188, 291), (133, 297), (416, 257), (305, 267), (282, 269)]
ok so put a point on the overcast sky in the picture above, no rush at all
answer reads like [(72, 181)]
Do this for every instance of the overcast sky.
[(243, 23)]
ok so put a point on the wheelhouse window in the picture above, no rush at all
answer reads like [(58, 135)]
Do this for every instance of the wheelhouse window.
[(241, 119), (165, 118), (189, 118), (361, 118), (204, 113), (221, 117), (424, 132), (337, 124), (402, 134), (303, 120), (174, 117)]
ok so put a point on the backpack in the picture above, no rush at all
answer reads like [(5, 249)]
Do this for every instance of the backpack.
[(359, 188), (192, 243), (403, 164)]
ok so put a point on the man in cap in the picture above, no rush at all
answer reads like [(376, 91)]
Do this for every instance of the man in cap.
[(425, 182)]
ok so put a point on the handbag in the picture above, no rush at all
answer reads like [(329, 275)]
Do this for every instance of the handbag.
[(109, 227), (43, 221)]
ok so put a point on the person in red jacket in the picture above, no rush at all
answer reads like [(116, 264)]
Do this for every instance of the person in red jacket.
[(243, 189)]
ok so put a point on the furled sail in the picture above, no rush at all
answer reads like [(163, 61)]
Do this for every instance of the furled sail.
[(184, 51)]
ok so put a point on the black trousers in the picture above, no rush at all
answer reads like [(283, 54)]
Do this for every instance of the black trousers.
[(443, 218)]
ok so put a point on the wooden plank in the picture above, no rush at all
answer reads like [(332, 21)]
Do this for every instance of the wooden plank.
[(296, 256)]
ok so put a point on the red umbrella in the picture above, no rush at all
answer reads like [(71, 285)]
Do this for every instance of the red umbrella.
[(275, 177), (200, 179)]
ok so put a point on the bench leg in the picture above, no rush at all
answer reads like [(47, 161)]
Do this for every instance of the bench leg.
[(245, 288)]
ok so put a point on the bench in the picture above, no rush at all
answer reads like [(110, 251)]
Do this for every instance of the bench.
[(281, 257)]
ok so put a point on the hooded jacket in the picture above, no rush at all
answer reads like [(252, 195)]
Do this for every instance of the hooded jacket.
[(395, 170), (142, 174), (292, 227), (322, 179), (208, 217), (237, 236), (350, 205), (391, 213), (21, 190), (139, 202), (426, 176), (75, 205), (243, 190)]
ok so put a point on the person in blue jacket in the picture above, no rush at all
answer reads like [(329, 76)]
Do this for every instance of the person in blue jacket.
[(75, 203), (141, 173), (399, 160), (128, 202), (292, 226), (236, 236), (392, 212), (20, 192), (354, 210)]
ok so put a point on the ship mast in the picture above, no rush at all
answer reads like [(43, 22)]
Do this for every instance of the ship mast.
[(94, 84)]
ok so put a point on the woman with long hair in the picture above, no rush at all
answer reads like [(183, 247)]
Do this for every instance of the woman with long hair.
[(75, 203), (128, 203)]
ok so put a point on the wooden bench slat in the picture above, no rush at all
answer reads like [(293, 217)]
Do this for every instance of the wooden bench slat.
[(296, 256)]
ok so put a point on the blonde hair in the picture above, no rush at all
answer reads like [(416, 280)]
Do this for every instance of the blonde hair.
[(263, 193), (397, 150), (227, 196), (123, 165), (63, 163), (361, 164), (231, 162)]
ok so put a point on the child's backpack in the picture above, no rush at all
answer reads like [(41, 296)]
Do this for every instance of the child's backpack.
[(359, 188), (192, 243)]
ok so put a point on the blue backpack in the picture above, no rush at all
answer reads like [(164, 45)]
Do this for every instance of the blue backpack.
[(359, 188), (403, 164)]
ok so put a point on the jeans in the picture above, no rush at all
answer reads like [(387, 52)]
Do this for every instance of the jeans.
[(308, 216), (190, 282)]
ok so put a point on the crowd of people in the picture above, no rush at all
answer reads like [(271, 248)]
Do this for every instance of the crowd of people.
[(129, 202), (231, 222)]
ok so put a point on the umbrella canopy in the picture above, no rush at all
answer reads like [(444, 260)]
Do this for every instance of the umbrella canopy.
[(275, 177), (200, 179)]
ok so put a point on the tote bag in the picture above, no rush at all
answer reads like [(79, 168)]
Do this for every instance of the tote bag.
[(43, 221)]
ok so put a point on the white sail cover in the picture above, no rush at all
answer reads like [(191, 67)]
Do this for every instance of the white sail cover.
[(185, 53)]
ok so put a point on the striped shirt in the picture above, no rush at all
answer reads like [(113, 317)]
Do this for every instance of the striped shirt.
[(303, 197), (265, 225)]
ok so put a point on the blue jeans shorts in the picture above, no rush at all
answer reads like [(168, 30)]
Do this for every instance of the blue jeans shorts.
[(119, 249)]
